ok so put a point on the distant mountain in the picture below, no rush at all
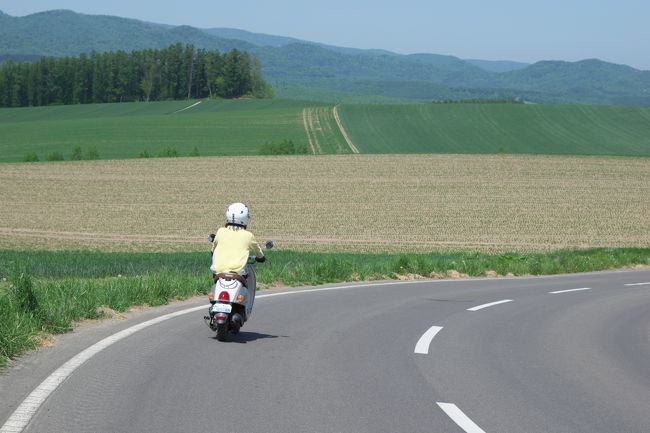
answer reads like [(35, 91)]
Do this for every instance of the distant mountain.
[(590, 80), (264, 40), (303, 62), (498, 65), (66, 33), (259, 39), (333, 72)]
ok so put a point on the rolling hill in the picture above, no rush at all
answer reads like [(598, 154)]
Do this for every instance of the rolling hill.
[(242, 127), (335, 73)]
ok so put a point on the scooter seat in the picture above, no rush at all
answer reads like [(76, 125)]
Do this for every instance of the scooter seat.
[(229, 276)]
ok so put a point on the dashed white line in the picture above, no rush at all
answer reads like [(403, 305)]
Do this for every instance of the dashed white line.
[(639, 284), (424, 342), (570, 290), (491, 304), (460, 418)]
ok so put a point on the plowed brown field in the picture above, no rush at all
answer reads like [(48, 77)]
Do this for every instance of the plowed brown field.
[(360, 203)]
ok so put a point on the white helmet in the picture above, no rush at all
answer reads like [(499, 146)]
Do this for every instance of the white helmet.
[(237, 213)]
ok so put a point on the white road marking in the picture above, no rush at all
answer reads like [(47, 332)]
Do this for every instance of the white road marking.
[(423, 343), (460, 418), (570, 290), (480, 307), (638, 284)]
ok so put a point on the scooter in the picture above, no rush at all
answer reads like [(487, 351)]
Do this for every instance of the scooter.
[(231, 300)]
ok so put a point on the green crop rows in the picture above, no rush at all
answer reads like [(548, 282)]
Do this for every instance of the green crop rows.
[(498, 128), (242, 127), (119, 131)]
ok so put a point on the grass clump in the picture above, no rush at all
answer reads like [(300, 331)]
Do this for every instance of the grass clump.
[(18, 329), (91, 154), (285, 147), (168, 152), (55, 156), (30, 157), (79, 155)]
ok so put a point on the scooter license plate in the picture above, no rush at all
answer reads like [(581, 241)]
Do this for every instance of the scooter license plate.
[(221, 308)]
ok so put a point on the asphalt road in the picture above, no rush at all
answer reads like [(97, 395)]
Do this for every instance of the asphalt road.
[(398, 357)]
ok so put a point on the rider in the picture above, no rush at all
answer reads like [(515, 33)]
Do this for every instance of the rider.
[(232, 243)]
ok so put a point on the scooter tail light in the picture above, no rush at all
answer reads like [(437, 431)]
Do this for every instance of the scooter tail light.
[(224, 297), (240, 299)]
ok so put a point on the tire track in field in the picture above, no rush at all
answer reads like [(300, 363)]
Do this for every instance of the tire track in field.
[(84, 236), (335, 112), (307, 115), (320, 126), (187, 108)]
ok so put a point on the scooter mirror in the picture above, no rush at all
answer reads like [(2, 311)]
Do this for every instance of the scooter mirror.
[(268, 245)]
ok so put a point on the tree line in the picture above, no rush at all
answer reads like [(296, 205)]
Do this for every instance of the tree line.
[(175, 72)]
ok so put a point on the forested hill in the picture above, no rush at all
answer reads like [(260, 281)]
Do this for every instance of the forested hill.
[(309, 70), (176, 72), (66, 33)]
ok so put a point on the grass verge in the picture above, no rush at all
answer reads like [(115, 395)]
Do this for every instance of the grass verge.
[(45, 292)]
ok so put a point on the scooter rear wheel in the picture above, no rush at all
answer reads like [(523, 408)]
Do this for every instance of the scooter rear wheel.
[(222, 331)]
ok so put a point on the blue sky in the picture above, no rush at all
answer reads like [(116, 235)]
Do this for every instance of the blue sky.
[(521, 30)]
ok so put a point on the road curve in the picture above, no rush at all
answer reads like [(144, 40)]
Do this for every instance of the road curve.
[(492, 355)]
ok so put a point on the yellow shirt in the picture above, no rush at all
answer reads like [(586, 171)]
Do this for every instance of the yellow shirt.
[(231, 248)]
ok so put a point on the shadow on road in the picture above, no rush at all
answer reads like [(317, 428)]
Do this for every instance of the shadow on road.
[(245, 337)]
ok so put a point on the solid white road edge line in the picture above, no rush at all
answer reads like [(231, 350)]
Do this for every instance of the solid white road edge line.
[(480, 307), (24, 413), (460, 418), (424, 342), (570, 290), (639, 284)]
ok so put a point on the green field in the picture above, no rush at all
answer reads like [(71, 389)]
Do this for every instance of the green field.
[(241, 127), (498, 128), (119, 131)]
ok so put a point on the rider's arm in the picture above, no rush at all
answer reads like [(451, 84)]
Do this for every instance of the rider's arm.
[(256, 248)]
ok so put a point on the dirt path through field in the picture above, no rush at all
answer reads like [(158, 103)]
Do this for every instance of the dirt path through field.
[(335, 112)]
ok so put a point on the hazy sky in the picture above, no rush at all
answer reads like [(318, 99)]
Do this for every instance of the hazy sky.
[(523, 30)]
